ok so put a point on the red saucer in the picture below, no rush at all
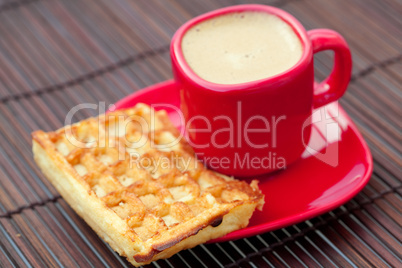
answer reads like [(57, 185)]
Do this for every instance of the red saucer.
[(335, 169)]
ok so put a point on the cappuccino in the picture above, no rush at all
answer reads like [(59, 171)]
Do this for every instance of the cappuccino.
[(241, 47)]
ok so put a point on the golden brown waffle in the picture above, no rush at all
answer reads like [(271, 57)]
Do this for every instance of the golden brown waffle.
[(136, 182)]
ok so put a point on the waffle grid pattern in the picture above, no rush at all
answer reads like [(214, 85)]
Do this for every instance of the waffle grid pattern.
[(136, 162)]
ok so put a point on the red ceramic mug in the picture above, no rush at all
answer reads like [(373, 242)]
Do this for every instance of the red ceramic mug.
[(247, 146)]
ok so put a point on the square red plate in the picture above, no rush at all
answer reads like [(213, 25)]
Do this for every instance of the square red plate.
[(336, 166)]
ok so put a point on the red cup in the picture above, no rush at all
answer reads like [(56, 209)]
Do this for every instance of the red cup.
[(249, 146)]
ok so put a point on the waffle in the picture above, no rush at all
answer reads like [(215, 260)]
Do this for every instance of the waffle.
[(132, 177)]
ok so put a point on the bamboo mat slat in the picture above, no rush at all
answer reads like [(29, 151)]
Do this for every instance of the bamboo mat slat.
[(57, 54), (54, 106), (358, 28)]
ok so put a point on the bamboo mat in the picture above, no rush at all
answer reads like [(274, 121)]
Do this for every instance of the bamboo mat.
[(57, 54)]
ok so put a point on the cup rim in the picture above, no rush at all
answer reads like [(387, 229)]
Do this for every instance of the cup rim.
[(178, 57)]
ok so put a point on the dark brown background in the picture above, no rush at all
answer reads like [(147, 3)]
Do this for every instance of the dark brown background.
[(57, 54)]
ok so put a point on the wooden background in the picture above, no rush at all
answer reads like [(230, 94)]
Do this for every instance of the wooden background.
[(57, 54)]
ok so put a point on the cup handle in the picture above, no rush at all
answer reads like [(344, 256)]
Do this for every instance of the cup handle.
[(333, 87)]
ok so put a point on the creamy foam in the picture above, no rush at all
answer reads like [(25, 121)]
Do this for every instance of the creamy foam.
[(241, 47)]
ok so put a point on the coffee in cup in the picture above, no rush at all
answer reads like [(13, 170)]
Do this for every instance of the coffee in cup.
[(247, 89), (241, 47)]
